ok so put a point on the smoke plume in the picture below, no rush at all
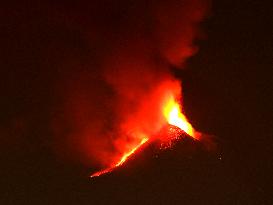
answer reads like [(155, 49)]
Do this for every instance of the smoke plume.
[(114, 98)]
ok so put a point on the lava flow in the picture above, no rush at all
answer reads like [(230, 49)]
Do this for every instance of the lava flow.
[(122, 160), (171, 111)]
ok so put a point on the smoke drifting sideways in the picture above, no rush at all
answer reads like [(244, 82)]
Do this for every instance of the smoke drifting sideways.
[(110, 104)]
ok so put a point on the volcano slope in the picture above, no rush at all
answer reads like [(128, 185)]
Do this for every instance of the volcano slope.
[(180, 171)]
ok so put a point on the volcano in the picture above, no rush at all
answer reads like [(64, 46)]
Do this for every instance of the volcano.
[(170, 141), (175, 170), (164, 125)]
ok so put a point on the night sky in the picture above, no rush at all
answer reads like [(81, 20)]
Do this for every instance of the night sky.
[(227, 93)]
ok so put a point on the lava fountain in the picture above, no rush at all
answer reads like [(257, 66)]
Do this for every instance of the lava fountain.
[(174, 116)]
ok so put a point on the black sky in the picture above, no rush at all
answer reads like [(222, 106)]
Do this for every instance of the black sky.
[(227, 93)]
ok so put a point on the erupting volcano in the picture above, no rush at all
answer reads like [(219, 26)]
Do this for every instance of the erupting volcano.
[(173, 117), (126, 94)]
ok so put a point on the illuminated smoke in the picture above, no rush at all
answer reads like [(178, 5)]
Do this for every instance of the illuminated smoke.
[(116, 101)]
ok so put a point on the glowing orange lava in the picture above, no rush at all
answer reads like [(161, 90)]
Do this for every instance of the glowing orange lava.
[(126, 155), (174, 116), (122, 160), (171, 111)]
